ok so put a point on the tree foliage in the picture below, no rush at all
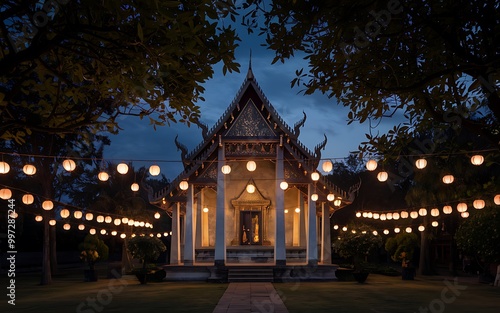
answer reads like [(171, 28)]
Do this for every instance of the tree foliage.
[(479, 235), (356, 243), (402, 246), (427, 63), (65, 64), (146, 249), (92, 250)]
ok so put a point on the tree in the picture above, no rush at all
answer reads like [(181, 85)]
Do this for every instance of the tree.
[(67, 65), (430, 63), (402, 247)]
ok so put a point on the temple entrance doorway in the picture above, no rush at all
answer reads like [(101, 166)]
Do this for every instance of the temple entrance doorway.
[(250, 228)]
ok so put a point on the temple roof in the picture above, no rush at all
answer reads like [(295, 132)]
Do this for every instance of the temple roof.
[(249, 118)]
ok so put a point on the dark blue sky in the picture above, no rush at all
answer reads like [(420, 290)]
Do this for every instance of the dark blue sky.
[(139, 141)]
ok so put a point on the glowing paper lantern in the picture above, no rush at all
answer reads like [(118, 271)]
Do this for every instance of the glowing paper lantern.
[(66, 226), (365, 214), (108, 219), (435, 212), (134, 187), (114, 232), (386, 231), (447, 209), (371, 165), (315, 176), (99, 219), (337, 202), (327, 166), (226, 169), (297, 210), (462, 207), (383, 217), (314, 197), (183, 185), (4, 167), (389, 216), (397, 230), (5, 193), (64, 213), (404, 214), (464, 214), (47, 205), (38, 218), (421, 228), (330, 197), (89, 216), (382, 176), (284, 185), (497, 199), (157, 215), (376, 216), (435, 224), (117, 221), (251, 166), (408, 229), (395, 216), (52, 222), (369, 215), (414, 214), (358, 214), (77, 214), (448, 179), (103, 232), (122, 236), (69, 165), (29, 169), (421, 163), (477, 159), (478, 204), (92, 231), (154, 170), (422, 212), (335, 227), (375, 233), (124, 220), (344, 228), (250, 188), (122, 168), (103, 176), (81, 227), (205, 210)]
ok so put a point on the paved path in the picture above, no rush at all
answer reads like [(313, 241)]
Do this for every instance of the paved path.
[(250, 298)]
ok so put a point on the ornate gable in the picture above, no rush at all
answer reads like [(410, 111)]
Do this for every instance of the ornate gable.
[(250, 123)]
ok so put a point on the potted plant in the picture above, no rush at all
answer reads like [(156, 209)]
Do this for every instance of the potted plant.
[(146, 249), (402, 247), (355, 244), (92, 250)]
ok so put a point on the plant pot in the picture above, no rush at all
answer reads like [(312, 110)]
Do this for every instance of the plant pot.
[(360, 277), (89, 275), (142, 277)]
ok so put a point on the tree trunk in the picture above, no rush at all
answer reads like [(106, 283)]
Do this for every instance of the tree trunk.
[(126, 260), (46, 273), (53, 251), (424, 263)]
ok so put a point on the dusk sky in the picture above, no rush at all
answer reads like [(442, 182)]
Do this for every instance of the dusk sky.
[(139, 141)]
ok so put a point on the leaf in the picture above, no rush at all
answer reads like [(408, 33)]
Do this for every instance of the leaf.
[(140, 34)]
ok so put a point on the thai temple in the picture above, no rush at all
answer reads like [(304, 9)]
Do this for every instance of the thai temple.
[(251, 200)]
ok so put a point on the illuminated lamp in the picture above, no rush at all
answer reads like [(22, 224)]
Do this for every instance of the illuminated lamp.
[(117, 221), (69, 165), (369, 215), (157, 215), (99, 219), (448, 179), (389, 216), (125, 220), (404, 214), (421, 163), (81, 227), (286, 211), (5, 193), (464, 214), (134, 187), (315, 176), (395, 216), (47, 205), (66, 226), (154, 170), (422, 212), (52, 222), (435, 223), (397, 230), (337, 202), (435, 212), (92, 231), (462, 207), (335, 227), (205, 210), (365, 214), (122, 168), (383, 217), (330, 197), (477, 160), (225, 169), (376, 216), (38, 218), (297, 210), (123, 236), (386, 232), (447, 209), (371, 165), (251, 166), (114, 232), (408, 230), (375, 233), (103, 176), (103, 232), (108, 219), (77, 214), (89, 216), (414, 214), (478, 204), (183, 185), (358, 214), (284, 185), (314, 197), (4, 167), (250, 188), (344, 228), (64, 213), (327, 166), (421, 228), (382, 176), (497, 199), (29, 169)]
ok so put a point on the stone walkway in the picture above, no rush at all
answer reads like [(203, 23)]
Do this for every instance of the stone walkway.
[(249, 298)]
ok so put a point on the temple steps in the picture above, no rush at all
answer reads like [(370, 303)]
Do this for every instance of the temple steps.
[(250, 274)]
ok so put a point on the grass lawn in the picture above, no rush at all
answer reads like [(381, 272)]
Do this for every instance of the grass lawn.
[(385, 294), (69, 293)]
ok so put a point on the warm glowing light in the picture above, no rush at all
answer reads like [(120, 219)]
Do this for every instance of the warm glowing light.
[(369, 215), (382, 176), (371, 165), (29, 169), (125, 220), (464, 214), (314, 197), (14, 214), (103, 176), (66, 226), (89, 216), (397, 230), (435, 212), (330, 197), (386, 232), (389, 216), (4, 167), (5, 193), (448, 179), (81, 227), (130, 222), (226, 169), (286, 211), (103, 232), (157, 215), (421, 228), (123, 236), (38, 218), (478, 204), (344, 228), (114, 232), (64, 213), (165, 234), (284, 185), (422, 212), (134, 187), (365, 214), (184, 185), (92, 231), (404, 214), (297, 210), (376, 216), (77, 214), (99, 219), (395, 216), (315, 176), (28, 199), (69, 165), (337, 202), (47, 205), (421, 163), (108, 219), (122, 168), (251, 166), (435, 223), (375, 233), (117, 221), (477, 159), (358, 214), (205, 210), (154, 170), (414, 214), (327, 166), (52, 222), (335, 227), (250, 188), (462, 207), (383, 217), (497, 199), (408, 230), (447, 209)]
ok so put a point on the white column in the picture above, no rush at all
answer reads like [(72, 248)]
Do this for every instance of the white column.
[(302, 221), (175, 239), (279, 246), (312, 238), (189, 229), (198, 221), (220, 214), (326, 240)]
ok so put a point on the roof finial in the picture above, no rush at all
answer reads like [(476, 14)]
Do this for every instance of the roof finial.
[(250, 73)]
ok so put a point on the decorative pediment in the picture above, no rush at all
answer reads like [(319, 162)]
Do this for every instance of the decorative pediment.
[(250, 123), (246, 198)]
